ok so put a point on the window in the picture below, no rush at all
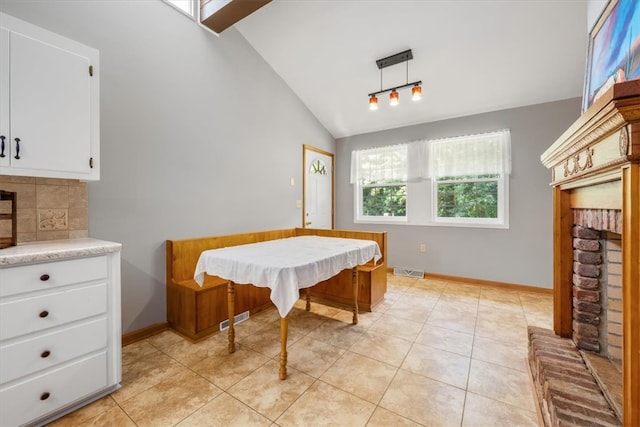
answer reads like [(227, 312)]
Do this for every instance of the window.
[(188, 7), (459, 181), (380, 175), (469, 179), (318, 168)]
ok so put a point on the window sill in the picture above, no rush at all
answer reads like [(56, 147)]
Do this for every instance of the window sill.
[(431, 224), (383, 220)]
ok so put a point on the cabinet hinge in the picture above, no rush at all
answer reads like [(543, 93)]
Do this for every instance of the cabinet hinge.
[(91, 162), (91, 70)]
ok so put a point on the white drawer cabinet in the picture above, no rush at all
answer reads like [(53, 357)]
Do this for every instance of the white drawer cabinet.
[(34, 314), (60, 332), (45, 350), (37, 277), (53, 389)]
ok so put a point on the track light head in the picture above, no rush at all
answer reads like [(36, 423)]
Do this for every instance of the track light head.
[(394, 98), (416, 92), (373, 102)]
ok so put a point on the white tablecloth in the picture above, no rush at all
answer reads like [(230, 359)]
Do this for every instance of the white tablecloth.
[(286, 265)]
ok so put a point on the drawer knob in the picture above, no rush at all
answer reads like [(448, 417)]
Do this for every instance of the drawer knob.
[(44, 277), (44, 313), (45, 395), (45, 354)]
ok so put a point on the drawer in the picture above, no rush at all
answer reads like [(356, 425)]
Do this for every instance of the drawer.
[(39, 396), (51, 349), (49, 275), (34, 314)]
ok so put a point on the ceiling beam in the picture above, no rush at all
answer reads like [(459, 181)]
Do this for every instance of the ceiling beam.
[(218, 15)]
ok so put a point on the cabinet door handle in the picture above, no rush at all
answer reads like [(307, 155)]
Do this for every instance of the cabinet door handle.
[(17, 156), (45, 395), (44, 313), (44, 277), (2, 138), (45, 354)]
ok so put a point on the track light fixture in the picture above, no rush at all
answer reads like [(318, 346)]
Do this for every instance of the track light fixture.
[(394, 96)]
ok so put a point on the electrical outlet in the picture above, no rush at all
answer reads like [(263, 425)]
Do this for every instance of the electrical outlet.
[(423, 248)]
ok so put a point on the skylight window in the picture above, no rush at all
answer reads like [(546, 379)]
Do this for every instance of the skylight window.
[(188, 7)]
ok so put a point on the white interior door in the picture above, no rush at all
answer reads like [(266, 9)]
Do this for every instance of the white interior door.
[(318, 188)]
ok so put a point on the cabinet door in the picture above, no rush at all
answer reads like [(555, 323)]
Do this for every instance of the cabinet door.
[(4, 97), (49, 103), (50, 107)]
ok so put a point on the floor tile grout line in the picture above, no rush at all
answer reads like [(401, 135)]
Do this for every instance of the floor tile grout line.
[(389, 385), (222, 390), (473, 342)]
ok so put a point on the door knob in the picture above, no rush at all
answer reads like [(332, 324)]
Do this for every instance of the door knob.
[(307, 223)]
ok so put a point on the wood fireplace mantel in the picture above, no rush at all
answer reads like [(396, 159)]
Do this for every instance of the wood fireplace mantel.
[(595, 164)]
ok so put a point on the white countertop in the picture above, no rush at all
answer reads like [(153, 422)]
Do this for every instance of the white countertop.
[(34, 252)]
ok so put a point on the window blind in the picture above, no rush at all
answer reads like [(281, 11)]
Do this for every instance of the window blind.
[(471, 155), (379, 165)]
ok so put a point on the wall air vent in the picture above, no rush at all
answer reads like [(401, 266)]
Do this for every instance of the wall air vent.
[(409, 272), (238, 318)]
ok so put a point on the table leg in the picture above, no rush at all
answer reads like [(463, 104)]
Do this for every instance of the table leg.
[(284, 326), (231, 303), (307, 295), (354, 279)]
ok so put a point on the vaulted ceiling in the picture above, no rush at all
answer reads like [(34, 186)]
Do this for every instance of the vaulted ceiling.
[(473, 56)]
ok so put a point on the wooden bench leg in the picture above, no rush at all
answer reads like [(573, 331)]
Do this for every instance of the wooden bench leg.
[(307, 295), (354, 279), (231, 303), (284, 326)]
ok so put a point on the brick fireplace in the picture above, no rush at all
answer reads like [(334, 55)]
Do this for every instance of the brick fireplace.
[(587, 370)]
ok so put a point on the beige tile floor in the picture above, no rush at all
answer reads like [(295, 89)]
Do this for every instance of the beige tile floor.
[(433, 353)]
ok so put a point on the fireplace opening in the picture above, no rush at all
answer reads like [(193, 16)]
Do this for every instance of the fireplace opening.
[(597, 298), (597, 292), (578, 380)]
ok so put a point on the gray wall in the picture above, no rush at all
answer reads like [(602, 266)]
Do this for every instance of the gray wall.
[(521, 254), (199, 136)]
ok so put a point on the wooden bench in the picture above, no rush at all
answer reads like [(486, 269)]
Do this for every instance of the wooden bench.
[(196, 312)]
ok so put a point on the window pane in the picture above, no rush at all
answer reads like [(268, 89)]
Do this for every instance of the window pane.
[(184, 5), (384, 201), (468, 200), (380, 165)]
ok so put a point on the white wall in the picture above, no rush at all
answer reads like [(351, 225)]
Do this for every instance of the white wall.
[(594, 9), (199, 136), (520, 255)]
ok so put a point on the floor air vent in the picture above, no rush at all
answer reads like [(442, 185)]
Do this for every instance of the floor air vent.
[(408, 272), (236, 319)]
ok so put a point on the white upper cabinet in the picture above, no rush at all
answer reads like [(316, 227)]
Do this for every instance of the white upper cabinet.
[(49, 104)]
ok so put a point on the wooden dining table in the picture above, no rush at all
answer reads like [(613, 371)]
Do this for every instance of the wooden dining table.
[(285, 266)]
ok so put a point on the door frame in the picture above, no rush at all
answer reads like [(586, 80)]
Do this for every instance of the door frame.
[(306, 147)]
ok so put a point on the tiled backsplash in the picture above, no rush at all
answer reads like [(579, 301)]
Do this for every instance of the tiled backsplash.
[(48, 209)]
